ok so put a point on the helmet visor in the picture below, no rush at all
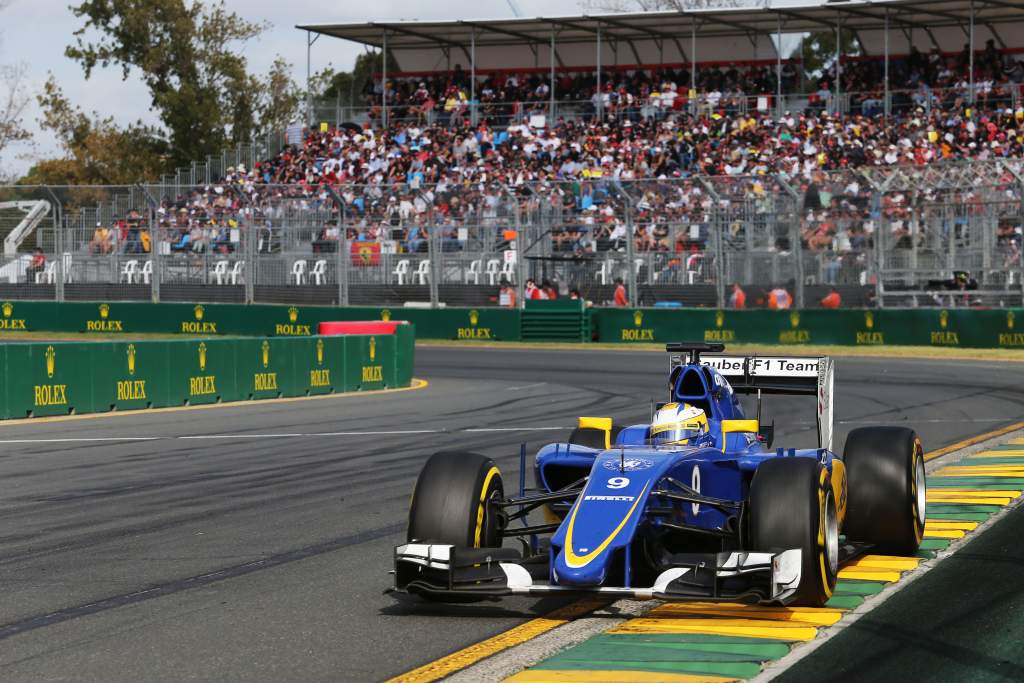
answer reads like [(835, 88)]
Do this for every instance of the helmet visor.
[(674, 434)]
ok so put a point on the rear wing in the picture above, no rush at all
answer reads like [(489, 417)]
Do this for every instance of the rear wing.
[(792, 375)]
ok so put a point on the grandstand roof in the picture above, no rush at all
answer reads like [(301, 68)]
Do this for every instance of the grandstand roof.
[(739, 34)]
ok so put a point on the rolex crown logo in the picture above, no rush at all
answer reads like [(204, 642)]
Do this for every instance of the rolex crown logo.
[(8, 309), (638, 318), (869, 320), (794, 319), (200, 311), (1010, 319), (385, 315), (266, 353), (474, 317), (293, 314), (319, 351), (202, 356), (719, 318), (943, 319), (373, 348), (51, 361), (104, 311), (131, 359)]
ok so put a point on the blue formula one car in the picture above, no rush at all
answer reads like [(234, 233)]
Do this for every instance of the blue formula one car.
[(695, 505)]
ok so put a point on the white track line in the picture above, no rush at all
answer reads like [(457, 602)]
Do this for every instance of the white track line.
[(289, 435), (76, 440)]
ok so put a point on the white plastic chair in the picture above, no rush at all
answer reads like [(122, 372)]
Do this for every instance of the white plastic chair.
[(129, 270), (638, 263), (474, 272), (422, 272), (319, 272), (220, 271), (402, 271), (299, 272), (67, 266), (236, 271), (47, 273), (605, 272), (508, 271), (492, 270), (694, 266), (146, 272)]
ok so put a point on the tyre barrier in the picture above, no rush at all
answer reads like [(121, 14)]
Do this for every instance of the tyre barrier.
[(62, 378)]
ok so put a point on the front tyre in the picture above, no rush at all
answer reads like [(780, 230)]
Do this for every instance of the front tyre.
[(791, 506), (887, 489), (455, 501)]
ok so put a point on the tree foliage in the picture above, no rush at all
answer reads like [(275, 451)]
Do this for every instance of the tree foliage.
[(188, 55), (14, 100), (97, 150)]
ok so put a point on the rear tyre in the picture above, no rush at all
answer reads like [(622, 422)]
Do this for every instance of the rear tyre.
[(887, 489), (593, 438), (791, 506), (455, 501)]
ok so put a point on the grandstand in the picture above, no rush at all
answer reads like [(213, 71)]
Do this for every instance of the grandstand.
[(678, 151)]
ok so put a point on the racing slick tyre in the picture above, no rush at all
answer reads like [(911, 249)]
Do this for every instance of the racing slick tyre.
[(453, 502), (592, 438), (887, 489), (791, 506)]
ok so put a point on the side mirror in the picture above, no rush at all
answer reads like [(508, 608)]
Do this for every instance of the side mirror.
[(766, 434)]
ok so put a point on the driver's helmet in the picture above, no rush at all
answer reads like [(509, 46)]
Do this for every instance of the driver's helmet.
[(678, 424)]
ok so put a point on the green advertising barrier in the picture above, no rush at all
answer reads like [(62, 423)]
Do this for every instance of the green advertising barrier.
[(258, 320), (62, 378), (964, 328)]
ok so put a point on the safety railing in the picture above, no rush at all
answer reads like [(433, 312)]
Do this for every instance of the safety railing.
[(872, 236)]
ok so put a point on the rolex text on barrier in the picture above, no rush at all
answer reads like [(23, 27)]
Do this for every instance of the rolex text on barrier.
[(62, 378)]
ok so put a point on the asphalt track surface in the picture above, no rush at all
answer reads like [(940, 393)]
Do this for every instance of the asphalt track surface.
[(259, 551)]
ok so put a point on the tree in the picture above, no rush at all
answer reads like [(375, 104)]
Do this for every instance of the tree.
[(14, 100), (96, 150), (280, 99), (190, 58)]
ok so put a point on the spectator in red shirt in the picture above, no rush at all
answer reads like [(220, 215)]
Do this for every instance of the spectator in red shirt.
[(738, 298), (832, 300), (620, 293), (532, 291), (549, 290), (38, 265)]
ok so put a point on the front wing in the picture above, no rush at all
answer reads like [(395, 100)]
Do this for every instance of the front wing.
[(451, 572)]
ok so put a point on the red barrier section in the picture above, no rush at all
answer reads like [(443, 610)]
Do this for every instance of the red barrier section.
[(360, 327)]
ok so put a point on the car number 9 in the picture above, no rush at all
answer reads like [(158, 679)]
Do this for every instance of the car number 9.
[(618, 482)]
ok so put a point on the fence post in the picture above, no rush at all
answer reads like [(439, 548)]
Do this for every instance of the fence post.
[(58, 244), (795, 245), (718, 230), (630, 252), (154, 244), (342, 259), (434, 251), (249, 241)]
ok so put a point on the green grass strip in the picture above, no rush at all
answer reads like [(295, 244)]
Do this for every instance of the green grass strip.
[(939, 509), (844, 601), (935, 544), (958, 516), (690, 638), (602, 649), (995, 483), (735, 669), (856, 587)]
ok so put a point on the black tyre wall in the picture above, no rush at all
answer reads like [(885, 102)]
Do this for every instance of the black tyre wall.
[(450, 503)]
